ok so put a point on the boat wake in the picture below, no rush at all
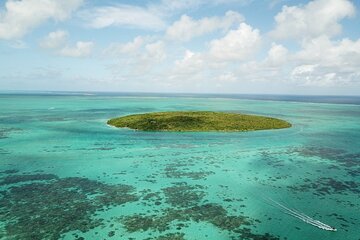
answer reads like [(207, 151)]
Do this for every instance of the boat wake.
[(301, 216)]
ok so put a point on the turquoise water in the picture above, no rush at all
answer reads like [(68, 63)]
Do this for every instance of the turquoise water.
[(65, 174)]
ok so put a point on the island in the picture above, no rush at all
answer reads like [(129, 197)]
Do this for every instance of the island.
[(197, 121)]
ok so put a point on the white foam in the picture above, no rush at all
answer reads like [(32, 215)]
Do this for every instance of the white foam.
[(302, 216)]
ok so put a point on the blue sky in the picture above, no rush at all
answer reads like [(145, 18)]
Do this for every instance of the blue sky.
[(200, 46)]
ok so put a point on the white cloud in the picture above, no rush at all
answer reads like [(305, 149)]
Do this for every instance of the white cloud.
[(191, 63), (136, 57), (318, 17), (155, 52), (228, 62), (123, 15), (216, 66), (304, 70), (273, 3), (277, 55), (227, 77), (148, 58), (59, 43), (116, 49), (81, 49), (152, 16), (330, 53), (273, 68), (55, 39), (187, 73), (170, 6), (133, 46), (320, 63), (324, 62), (187, 28), (18, 44), (19, 17), (309, 75), (239, 44)]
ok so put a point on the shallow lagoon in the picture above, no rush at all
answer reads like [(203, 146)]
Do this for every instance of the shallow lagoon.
[(68, 173)]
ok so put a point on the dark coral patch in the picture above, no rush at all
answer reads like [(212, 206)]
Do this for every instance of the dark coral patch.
[(175, 170), (349, 161), (187, 204), (12, 179), (5, 132), (10, 171), (211, 213), (270, 160), (48, 209), (326, 185), (247, 234), (169, 236), (183, 195)]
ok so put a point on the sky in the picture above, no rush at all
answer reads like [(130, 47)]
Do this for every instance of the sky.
[(183, 46)]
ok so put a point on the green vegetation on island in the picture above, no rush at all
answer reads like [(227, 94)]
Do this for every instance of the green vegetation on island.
[(197, 121)]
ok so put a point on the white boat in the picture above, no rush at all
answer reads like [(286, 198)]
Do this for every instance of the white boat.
[(303, 217)]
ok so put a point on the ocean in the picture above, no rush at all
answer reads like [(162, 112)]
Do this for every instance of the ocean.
[(66, 174)]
